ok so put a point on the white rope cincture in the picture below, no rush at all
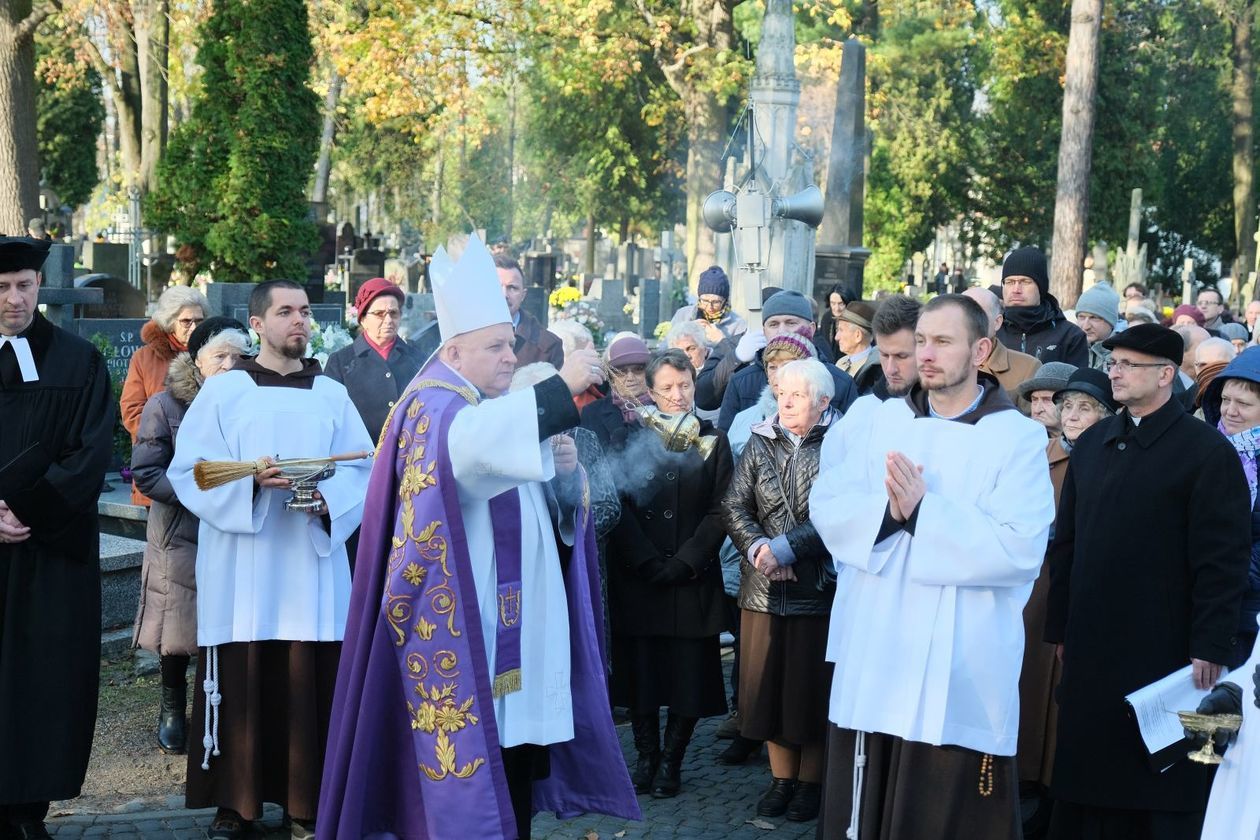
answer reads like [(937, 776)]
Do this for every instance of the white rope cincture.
[(859, 774), (210, 740)]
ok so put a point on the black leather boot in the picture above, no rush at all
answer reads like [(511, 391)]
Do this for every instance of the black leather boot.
[(647, 742), (678, 731), (172, 734), (774, 803)]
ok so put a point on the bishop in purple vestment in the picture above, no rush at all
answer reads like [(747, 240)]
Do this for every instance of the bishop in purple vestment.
[(472, 684)]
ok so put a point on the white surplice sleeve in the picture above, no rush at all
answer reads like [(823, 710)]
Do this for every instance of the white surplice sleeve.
[(847, 502), (346, 490), (203, 436), (999, 539), (494, 446)]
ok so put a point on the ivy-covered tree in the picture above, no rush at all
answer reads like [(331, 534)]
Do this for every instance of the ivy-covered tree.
[(68, 119), (232, 187)]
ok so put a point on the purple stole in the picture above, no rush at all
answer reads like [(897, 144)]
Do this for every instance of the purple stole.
[(413, 746)]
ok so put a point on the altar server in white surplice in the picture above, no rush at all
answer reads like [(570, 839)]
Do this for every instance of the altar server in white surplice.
[(936, 509), (273, 585)]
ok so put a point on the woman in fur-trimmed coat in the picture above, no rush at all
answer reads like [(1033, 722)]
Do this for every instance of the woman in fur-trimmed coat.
[(166, 620)]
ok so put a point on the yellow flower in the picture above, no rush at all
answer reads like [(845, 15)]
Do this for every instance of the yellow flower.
[(563, 296), (450, 718), (424, 629), (413, 574), (425, 718)]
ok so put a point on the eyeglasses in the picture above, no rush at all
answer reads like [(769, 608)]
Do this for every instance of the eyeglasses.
[(1125, 366), (189, 322), (1018, 281), (711, 302), (382, 314)]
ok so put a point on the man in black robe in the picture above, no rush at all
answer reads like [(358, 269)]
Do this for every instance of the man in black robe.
[(56, 433)]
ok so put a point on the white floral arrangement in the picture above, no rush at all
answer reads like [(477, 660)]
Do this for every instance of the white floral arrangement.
[(585, 313)]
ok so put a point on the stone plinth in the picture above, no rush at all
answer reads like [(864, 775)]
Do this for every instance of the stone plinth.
[(121, 558)]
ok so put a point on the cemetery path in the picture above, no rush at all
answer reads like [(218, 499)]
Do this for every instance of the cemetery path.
[(133, 792)]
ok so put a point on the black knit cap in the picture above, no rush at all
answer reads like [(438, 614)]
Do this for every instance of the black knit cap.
[(208, 329), (1151, 339), (1028, 261), (22, 253)]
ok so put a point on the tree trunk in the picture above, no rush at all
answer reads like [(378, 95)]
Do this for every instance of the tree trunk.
[(511, 163), (323, 166), (19, 151), (1071, 205), (1241, 92), (706, 121), (435, 197), (152, 53), (590, 247)]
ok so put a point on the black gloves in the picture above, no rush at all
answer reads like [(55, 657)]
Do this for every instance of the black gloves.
[(1225, 699)]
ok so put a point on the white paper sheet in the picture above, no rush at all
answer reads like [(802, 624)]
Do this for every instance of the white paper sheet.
[(1157, 704)]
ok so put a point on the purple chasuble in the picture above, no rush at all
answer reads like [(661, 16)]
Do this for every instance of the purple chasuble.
[(413, 747)]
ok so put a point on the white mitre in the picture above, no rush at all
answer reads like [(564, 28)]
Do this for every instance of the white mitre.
[(467, 294)]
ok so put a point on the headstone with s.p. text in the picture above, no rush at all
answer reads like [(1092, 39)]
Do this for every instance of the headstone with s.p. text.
[(123, 337)]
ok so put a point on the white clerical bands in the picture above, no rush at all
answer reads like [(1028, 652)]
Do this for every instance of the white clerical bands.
[(25, 360)]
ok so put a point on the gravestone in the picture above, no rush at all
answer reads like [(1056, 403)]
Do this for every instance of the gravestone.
[(365, 264), (121, 559), (121, 299), (612, 303), (226, 297), (418, 312), (535, 303), (123, 335), (107, 258), (57, 293), (539, 269), (649, 306)]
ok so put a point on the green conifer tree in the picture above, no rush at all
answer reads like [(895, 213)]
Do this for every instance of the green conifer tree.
[(232, 186)]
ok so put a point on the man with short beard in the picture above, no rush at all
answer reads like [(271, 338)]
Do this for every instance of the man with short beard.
[(893, 325), (273, 585), (938, 511)]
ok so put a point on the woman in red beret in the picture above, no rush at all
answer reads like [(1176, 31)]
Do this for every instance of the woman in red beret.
[(377, 367)]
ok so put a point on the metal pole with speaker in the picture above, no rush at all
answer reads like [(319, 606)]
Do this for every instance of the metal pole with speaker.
[(747, 215)]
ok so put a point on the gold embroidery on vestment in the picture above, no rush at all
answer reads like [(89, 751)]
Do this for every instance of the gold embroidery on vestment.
[(436, 711)]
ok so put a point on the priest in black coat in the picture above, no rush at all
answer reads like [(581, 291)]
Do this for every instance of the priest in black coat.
[(56, 433), (1148, 566)]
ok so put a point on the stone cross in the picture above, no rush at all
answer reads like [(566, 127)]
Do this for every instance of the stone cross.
[(57, 293)]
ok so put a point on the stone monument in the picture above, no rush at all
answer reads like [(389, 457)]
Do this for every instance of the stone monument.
[(841, 259)]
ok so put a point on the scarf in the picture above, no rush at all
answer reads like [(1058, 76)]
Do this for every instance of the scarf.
[(1203, 378), (1065, 444), (381, 349), (1026, 319), (628, 405), (713, 317), (176, 345), (1246, 444)]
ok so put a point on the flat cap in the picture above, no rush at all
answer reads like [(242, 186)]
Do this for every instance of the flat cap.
[(859, 313), (1151, 339)]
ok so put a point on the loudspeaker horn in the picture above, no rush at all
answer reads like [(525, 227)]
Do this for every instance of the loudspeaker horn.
[(806, 206), (719, 211)]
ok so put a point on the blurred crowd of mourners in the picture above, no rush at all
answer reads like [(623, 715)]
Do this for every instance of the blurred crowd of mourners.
[(939, 542)]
